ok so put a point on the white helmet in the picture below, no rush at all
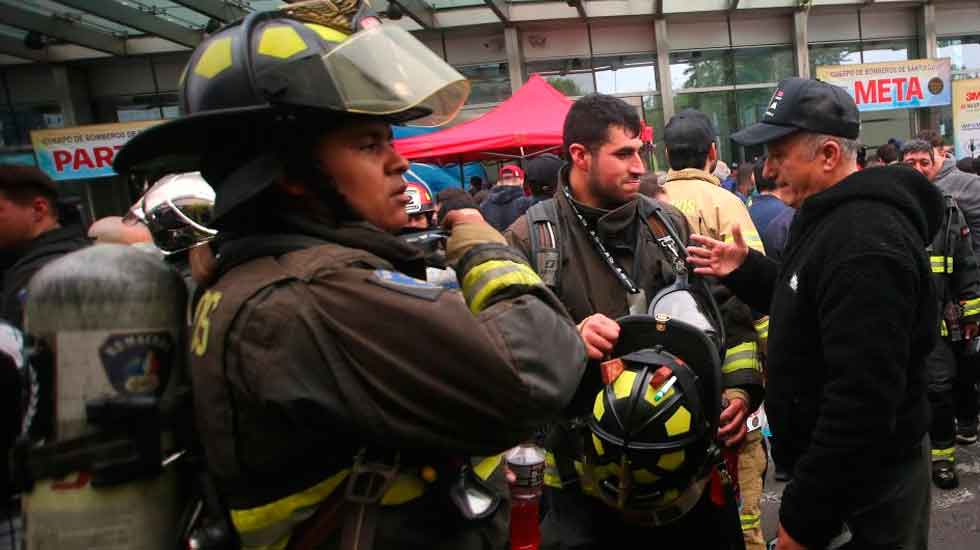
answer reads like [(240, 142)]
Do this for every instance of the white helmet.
[(177, 210)]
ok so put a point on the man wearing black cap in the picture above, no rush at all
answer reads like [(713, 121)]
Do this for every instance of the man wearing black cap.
[(853, 318), (542, 176)]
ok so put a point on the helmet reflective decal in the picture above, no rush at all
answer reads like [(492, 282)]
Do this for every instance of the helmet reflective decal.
[(328, 34), (671, 461), (215, 59), (679, 423), (281, 42)]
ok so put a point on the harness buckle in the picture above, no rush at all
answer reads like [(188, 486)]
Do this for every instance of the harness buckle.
[(370, 478)]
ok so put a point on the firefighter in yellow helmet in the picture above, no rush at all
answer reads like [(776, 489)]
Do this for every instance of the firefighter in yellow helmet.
[(327, 417)]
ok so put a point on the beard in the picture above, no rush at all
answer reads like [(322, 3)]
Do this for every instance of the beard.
[(608, 197)]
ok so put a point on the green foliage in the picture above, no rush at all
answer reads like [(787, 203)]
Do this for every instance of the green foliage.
[(566, 86)]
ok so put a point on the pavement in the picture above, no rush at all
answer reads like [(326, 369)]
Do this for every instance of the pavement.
[(955, 520)]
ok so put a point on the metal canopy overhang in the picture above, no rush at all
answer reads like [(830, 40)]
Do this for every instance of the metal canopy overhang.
[(418, 11), (16, 48), (132, 17), (62, 29), (500, 9), (217, 9)]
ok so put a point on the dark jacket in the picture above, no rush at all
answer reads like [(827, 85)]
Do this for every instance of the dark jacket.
[(954, 271), (965, 190), (764, 209), (47, 247), (775, 235), (317, 343), (505, 204), (852, 317)]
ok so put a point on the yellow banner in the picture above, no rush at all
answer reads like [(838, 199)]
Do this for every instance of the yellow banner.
[(966, 117), (83, 151)]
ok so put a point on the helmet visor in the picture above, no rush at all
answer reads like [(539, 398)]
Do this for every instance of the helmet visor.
[(384, 70)]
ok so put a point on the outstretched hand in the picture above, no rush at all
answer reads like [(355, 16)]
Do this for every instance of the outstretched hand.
[(715, 258)]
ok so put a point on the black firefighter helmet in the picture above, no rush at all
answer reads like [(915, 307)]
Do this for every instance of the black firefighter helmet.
[(653, 423), (308, 64)]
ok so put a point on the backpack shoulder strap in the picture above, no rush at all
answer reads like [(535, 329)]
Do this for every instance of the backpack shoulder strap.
[(542, 225)]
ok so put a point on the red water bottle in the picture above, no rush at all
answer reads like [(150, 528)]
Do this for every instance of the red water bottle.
[(526, 461)]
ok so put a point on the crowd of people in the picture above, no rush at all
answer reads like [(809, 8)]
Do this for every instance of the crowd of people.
[(361, 351)]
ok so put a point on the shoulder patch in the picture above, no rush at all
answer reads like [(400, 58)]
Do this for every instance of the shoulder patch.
[(399, 282)]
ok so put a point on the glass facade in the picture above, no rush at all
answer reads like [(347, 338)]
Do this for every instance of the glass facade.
[(747, 76), (964, 55), (701, 69), (17, 121), (572, 77), (489, 83), (132, 108), (625, 74)]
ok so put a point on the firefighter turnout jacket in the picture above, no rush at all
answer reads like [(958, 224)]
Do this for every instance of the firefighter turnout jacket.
[(709, 208), (319, 356), (955, 272)]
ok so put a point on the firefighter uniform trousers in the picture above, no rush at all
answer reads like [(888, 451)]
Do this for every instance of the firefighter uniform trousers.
[(957, 281), (752, 463)]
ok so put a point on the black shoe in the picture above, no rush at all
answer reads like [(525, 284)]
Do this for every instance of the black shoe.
[(966, 434), (944, 474), (782, 474)]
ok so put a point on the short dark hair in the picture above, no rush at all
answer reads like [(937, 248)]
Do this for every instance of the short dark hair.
[(888, 153), (934, 138), (589, 119), (681, 159), (744, 174), (917, 146), (762, 183), (23, 184), (449, 193)]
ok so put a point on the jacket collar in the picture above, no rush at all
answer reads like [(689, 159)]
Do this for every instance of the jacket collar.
[(613, 224), (692, 174), (298, 232)]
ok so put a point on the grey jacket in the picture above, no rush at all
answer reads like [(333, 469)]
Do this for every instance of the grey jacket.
[(965, 190)]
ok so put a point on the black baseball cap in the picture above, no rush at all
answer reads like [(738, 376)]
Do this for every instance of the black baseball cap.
[(542, 173), (690, 130), (803, 104)]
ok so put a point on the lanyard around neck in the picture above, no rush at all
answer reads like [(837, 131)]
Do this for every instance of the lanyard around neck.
[(601, 248)]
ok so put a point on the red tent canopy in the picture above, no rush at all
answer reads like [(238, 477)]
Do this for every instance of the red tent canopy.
[(531, 120)]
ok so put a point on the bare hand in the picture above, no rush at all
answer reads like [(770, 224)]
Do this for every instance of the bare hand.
[(969, 331), (599, 333), (462, 215), (786, 542), (732, 431), (715, 258)]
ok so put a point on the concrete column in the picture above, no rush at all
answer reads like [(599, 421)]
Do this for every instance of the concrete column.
[(927, 118), (800, 42), (663, 66), (515, 57), (72, 93)]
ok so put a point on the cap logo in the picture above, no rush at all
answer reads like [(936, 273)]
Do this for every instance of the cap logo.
[(774, 103)]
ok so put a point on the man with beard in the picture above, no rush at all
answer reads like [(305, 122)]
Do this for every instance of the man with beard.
[(611, 264)]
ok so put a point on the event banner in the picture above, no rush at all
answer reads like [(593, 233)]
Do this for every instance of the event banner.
[(966, 117), (893, 84), (82, 151)]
